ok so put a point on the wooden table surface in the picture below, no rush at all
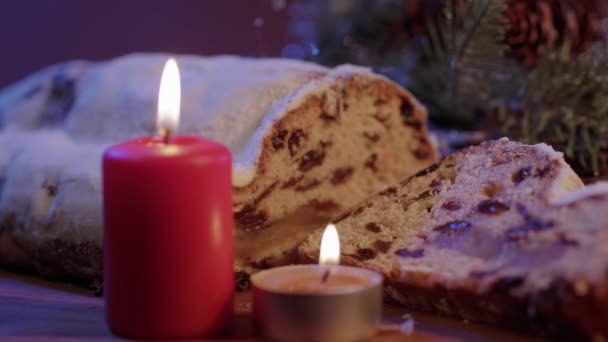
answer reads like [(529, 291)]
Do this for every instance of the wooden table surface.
[(37, 310)]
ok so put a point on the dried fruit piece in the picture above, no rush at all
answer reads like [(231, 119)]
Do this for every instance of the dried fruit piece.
[(291, 182), (382, 246), (380, 117), (451, 205), (388, 191), (250, 219), (379, 102), (358, 211), (310, 160), (406, 108), (492, 207), (521, 175), (266, 192), (523, 211), (327, 205), (435, 183), (422, 152), (521, 231), (453, 227), (364, 254), (278, 140), (566, 241), (294, 141), (542, 172), (354, 212), (308, 185), (325, 144), (499, 158), (262, 264), (531, 224), (406, 253), (427, 170), (370, 163), (341, 175), (327, 117), (492, 189), (417, 125), (60, 100), (51, 189), (373, 227), (242, 281), (426, 194)]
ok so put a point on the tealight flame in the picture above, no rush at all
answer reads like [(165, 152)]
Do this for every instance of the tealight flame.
[(169, 98), (330, 247)]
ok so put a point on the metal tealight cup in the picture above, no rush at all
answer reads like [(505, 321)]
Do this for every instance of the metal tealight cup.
[(338, 314)]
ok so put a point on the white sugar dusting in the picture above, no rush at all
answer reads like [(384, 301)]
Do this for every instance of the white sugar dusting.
[(245, 157), (231, 100), (591, 190)]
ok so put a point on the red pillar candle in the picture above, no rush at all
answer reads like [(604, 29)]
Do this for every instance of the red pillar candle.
[(168, 237)]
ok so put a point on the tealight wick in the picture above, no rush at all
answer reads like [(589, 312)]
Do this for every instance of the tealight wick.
[(165, 134), (325, 277)]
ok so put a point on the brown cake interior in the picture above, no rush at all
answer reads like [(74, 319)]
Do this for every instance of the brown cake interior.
[(335, 149)]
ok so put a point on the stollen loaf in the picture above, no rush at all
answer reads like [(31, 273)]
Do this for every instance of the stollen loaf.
[(306, 140)]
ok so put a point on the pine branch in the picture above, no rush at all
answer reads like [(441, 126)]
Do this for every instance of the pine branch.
[(454, 63), (459, 61), (565, 104)]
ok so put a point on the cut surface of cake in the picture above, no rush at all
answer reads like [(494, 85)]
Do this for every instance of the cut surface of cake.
[(307, 141), (491, 234)]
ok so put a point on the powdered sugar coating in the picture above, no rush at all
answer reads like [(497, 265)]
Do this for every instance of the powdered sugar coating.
[(246, 156), (591, 190), (232, 100), (228, 99)]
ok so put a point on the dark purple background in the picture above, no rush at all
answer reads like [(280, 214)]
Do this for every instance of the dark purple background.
[(37, 33)]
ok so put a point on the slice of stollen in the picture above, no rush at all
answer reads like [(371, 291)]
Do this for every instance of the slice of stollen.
[(490, 234)]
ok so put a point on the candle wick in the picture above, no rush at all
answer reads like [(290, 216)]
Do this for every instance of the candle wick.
[(325, 276), (165, 134)]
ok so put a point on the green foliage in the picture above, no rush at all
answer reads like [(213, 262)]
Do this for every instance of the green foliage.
[(457, 68), (461, 60), (565, 104), (563, 101)]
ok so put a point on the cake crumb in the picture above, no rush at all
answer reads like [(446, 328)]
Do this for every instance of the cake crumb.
[(407, 326)]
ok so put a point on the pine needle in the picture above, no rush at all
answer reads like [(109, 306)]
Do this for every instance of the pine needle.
[(458, 65), (565, 104)]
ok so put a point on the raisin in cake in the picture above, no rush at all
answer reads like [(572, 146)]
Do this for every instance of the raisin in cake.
[(306, 140), (490, 234)]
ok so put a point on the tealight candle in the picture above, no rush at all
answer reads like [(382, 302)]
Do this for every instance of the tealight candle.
[(318, 302)]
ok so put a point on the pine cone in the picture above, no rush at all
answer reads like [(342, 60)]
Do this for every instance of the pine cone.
[(536, 26)]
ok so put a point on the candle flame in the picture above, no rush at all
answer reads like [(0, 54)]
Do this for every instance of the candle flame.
[(330, 246), (169, 97)]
